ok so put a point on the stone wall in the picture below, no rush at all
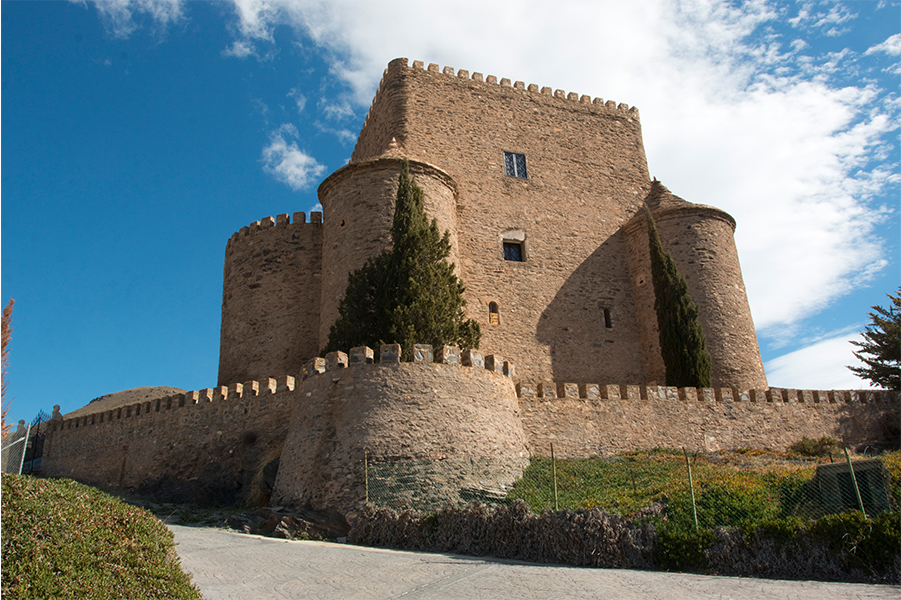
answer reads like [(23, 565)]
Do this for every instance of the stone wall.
[(207, 442), (270, 298), (586, 420)]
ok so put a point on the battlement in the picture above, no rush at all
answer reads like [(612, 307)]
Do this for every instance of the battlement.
[(278, 222), (594, 391), (609, 106)]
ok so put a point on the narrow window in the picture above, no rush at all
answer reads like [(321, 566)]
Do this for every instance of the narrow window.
[(494, 317), (607, 322), (513, 251), (515, 165)]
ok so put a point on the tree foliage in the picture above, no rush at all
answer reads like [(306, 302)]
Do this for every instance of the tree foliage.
[(409, 293), (6, 335), (682, 345), (880, 349)]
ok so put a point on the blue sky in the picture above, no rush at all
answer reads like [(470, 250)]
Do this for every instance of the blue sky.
[(137, 136)]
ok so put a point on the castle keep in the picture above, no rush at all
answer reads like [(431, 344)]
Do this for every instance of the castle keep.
[(543, 194)]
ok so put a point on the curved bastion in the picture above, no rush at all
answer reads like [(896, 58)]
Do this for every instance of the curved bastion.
[(452, 427)]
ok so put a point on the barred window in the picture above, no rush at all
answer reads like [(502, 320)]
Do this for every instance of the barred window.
[(515, 165), (513, 251)]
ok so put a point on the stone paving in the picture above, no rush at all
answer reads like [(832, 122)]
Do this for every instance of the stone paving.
[(228, 565)]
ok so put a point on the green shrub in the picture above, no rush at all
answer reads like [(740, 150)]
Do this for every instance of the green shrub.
[(825, 446), (681, 549), (871, 544), (62, 539)]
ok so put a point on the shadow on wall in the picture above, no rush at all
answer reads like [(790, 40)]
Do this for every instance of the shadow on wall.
[(883, 433), (591, 325)]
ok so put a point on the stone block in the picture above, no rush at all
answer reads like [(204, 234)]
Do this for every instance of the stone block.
[(790, 396), (285, 383), (633, 392), (422, 353), (235, 390), (567, 390), (611, 392), (449, 355), (688, 394), (315, 366), (471, 358), (361, 355), (773, 395), (805, 396), (547, 390), (821, 397), (757, 396), (839, 396), (220, 393), (509, 371), (526, 390), (494, 363), (672, 393), (390, 353), (271, 385), (706, 395), (335, 360), (741, 395), (590, 391), (653, 392)]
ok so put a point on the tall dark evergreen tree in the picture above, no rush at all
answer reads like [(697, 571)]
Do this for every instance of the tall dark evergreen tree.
[(408, 294), (880, 349), (681, 338)]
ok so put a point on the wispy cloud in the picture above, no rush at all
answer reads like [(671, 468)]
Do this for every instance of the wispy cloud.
[(299, 99), (891, 46), (821, 365), (119, 16), (287, 163)]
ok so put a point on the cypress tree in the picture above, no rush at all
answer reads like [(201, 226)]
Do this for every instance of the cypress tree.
[(409, 293), (682, 345), (880, 349)]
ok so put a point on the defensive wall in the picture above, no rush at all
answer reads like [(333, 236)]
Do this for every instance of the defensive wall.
[(458, 418)]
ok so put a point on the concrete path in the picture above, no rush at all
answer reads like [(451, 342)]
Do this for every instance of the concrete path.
[(226, 564)]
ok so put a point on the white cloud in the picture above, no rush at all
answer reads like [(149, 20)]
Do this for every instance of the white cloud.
[(287, 163), (299, 99), (891, 46), (819, 366), (118, 16)]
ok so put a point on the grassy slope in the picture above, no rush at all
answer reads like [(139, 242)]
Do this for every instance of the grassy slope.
[(62, 539)]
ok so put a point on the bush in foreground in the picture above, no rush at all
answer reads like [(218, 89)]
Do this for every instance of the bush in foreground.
[(62, 539)]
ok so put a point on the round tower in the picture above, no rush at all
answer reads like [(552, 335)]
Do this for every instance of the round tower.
[(358, 210), (270, 298), (701, 241)]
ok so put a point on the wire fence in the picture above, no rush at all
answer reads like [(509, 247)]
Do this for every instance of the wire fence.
[(685, 489)]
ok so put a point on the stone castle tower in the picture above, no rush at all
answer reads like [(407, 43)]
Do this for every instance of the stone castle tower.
[(542, 193)]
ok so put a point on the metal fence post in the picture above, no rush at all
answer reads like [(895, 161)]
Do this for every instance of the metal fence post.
[(366, 473), (854, 481), (554, 468), (25, 449), (691, 487)]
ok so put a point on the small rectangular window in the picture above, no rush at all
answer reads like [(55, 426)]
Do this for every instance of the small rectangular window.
[(515, 165), (513, 251)]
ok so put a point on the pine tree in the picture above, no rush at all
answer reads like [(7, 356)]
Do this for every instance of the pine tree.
[(682, 345), (408, 294), (880, 349)]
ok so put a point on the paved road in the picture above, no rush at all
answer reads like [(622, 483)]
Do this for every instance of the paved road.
[(233, 565)]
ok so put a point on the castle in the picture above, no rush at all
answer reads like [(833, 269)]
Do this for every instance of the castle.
[(543, 195)]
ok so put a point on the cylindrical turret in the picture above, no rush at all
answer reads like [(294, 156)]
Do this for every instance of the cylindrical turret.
[(270, 299), (701, 241), (358, 209)]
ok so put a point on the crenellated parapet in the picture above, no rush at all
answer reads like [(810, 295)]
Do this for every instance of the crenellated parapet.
[(279, 222), (610, 106), (613, 392)]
